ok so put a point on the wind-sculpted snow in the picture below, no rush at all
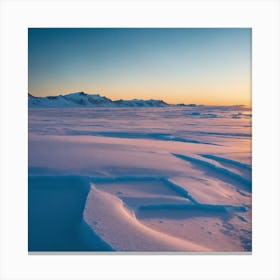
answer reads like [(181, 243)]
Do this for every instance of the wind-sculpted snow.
[(132, 179), (240, 115), (224, 173), (153, 198), (118, 226), (229, 161), (172, 178), (186, 207), (183, 192), (139, 183), (227, 134), (168, 124), (138, 135), (55, 216)]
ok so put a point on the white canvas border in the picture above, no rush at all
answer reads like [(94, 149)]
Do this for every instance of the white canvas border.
[(262, 16)]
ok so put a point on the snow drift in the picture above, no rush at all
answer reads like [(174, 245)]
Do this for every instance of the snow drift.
[(55, 215)]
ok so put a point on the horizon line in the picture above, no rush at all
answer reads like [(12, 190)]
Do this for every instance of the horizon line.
[(183, 103)]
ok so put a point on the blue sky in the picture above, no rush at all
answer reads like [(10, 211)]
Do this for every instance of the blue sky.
[(191, 65)]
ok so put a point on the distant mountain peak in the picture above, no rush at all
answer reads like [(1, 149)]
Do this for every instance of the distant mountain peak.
[(82, 99)]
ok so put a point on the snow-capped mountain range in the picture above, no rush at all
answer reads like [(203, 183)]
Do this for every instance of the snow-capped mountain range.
[(81, 99)]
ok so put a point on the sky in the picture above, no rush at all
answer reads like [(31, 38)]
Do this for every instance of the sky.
[(210, 66)]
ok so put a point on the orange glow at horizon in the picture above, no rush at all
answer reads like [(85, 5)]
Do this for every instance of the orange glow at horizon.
[(240, 94), (230, 97), (210, 66)]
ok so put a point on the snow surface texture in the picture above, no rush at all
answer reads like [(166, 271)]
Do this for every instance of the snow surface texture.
[(176, 178)]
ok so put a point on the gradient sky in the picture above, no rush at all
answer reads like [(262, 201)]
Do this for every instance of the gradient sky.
[(189, 65)]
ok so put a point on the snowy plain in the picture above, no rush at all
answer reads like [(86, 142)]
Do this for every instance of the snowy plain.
[(173, 178)]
